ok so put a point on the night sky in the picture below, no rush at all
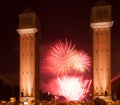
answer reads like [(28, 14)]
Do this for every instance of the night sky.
[(59, 19)]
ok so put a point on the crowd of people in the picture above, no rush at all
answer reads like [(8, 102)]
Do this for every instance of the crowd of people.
[(96, 101), (90, 102)]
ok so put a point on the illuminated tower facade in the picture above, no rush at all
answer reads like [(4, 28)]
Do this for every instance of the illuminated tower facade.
[(29, 55), (101, 23)]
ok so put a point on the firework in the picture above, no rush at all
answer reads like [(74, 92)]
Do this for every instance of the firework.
[(61, 62), (74, 88), (62, 58), (82, 62)]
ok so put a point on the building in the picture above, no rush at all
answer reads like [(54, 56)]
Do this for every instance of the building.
[(29, 31), (101, 23)]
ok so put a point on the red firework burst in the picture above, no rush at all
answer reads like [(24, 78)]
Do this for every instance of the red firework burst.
[(63, 58), (59, 59)]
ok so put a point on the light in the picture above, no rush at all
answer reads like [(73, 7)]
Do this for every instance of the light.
[(25, 103), (27, 31), (101, 25)]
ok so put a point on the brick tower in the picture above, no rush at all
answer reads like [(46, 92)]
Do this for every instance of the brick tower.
[(101, 23), (29, 55)]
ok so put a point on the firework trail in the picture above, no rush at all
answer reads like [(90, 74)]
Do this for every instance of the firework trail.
[(72, 88)]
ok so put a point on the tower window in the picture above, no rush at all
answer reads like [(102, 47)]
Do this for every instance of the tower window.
[(96, 33), (31, 37), (23, 38), (106, 50), (96, 88), (106, 32)]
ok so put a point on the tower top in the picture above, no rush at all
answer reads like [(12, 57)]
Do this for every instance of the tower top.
[(28, 10), (101, 16), (29, 22), (101, 12), (102, 3), (28, 19)]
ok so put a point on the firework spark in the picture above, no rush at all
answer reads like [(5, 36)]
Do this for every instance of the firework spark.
[(74, 88), (82, 62), (62, 58)]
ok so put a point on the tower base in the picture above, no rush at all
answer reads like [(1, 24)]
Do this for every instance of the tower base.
[(24, 99), (106, 98)]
